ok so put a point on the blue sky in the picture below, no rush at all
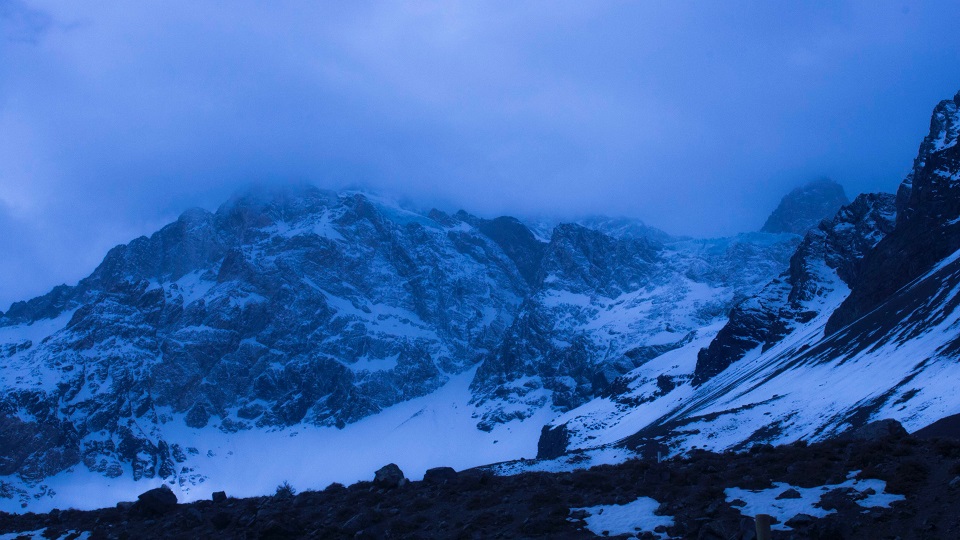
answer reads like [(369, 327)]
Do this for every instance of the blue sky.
[(694, 116)]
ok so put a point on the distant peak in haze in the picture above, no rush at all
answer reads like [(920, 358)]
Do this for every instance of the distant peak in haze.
[(805, 206)]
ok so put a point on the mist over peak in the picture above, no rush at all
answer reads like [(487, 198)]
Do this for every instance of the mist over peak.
[(107, 133)]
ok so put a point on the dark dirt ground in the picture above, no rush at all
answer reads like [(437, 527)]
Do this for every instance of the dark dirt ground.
[(477, 504)]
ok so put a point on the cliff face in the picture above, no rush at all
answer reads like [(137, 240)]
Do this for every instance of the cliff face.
[(280, 308), (927, 227), (944, 130), (301, 307)]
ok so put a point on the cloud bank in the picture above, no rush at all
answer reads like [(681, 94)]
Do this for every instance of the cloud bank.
[(694, 116)]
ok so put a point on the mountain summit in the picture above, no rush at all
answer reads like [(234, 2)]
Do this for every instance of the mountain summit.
[(806, 206)]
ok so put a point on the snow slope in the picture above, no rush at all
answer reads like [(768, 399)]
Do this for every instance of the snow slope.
[(430, 431), (863, 326)]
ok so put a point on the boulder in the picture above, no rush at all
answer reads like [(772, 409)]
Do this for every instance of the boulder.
[(473, 479), (219, 496), (157, 501), (553, 441), (789, 494), (389, 477), (440, 475), (945, 427)]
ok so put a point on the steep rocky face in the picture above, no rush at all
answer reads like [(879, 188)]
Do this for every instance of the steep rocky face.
[(516, 241), (927, 227), (944, 130), (547, 356), (584, 260), (283, 307), (826, 263), (741, 263), (805, 206), (863, 326), (301, 308), (605, 305)]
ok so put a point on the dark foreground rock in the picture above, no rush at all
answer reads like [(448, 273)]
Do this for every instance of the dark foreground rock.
[(389, 477), (440, 475), (477, 504), (156, 501)]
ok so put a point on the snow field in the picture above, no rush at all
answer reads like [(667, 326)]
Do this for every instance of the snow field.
[(431, 431), (631, 518), (871, 495)]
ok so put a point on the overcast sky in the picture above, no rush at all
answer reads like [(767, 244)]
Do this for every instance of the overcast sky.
[(694, 116)]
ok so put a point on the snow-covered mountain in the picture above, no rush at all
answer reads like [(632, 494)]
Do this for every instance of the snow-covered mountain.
[(603, 306), (299, 309), (307, 335), (862, 326), (283, 307)]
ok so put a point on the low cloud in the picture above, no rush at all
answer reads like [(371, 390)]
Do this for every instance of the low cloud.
[(696, 117)]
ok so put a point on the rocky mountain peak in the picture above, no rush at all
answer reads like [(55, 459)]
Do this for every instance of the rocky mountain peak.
[(804, 207), (294, 306), (944, 131), (927, 228)]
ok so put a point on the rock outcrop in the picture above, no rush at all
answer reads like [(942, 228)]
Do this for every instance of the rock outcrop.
[(285, 306), (826, 263), (603, 305), (389, 477), (861, 327), (927, 228), (157, 501)]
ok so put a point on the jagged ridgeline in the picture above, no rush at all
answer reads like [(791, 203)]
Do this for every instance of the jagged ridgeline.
[(298, 306), (300, 322), (285, 306), (862, 326)]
